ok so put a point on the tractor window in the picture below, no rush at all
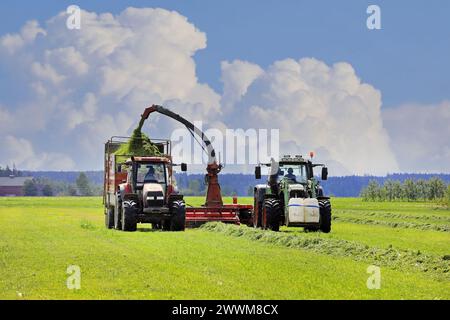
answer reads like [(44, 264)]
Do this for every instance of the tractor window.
[(151, 173), (294, 172)]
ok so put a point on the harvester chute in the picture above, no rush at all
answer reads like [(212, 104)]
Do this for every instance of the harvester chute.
[(213, 209)]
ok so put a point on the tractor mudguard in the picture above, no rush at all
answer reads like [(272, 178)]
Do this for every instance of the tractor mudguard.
[(131, 197)]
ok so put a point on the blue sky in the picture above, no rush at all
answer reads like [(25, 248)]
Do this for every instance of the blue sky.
[(232, 64), (408, 60)]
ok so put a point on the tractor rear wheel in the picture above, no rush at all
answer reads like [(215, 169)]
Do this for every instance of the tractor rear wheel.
[(272, 216), (178, 220), (325, 215), (129, 216), (109, 218)]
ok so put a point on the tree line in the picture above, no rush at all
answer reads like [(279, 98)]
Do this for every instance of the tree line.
[(48, 188), (7, 172), (409, 190)]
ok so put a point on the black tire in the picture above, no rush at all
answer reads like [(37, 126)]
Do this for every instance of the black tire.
[(129, 216), (273, 214), (166, 225), (156, 226), (109, 218), (325, 215), (311, 229), (178, 216), (245, 217)]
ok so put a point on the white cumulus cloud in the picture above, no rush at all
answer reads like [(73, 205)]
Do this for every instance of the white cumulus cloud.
[(80, 87), (84, 86), (322, 108), (20, 152)]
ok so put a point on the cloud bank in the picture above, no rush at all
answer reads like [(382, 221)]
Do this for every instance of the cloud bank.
[(79, 87), (318, 108), (420, 135), (83, 86)]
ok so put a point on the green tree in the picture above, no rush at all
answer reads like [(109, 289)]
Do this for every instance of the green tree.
[(422, 189), (397, 190), (371, 192), (389, 189), (83, 186), (71, 191), (437, 188), (47, 190), (448, 196), (410, 190), (30, 188)]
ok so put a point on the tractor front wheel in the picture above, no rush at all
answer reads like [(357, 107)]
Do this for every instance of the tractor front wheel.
[(325, 215), (129, 216), (178, 220), (272, 214)]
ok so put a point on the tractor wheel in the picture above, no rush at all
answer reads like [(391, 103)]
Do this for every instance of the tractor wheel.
[(311, 229), (178, 220), (166, 225), (272, 216), (245, 217), (129, 216), (109, 218), (118, 217), (325, 215), (156, 226)]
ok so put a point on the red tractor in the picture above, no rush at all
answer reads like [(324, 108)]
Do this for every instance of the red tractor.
[(130, 198), (140, 190)]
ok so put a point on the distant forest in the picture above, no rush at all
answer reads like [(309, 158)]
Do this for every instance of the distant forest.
[(242, 184)]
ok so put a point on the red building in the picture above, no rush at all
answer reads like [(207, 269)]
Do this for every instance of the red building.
[(12, 186)]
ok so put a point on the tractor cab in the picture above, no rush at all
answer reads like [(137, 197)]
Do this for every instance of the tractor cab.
[(292, 196), (296, 175), (150, 179)]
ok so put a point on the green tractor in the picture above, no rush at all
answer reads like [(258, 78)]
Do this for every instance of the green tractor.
[(292, 196)]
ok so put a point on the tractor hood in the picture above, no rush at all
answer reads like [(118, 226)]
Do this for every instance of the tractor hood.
[(153, 194), (296, 186)]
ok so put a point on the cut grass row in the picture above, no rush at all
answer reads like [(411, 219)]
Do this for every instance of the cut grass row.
[(429, 242), (406, 260), (394, 224)]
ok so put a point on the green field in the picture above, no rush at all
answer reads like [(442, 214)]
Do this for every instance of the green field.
[(41, 237)]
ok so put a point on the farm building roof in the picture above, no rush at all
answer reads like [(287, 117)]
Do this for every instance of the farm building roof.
[(13, 181)]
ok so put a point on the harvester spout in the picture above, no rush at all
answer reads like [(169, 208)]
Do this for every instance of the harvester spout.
[(213, 194)]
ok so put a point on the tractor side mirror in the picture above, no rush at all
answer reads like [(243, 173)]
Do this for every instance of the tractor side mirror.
[(119, 168), (258, 172), (324, 173), (184, 167)]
